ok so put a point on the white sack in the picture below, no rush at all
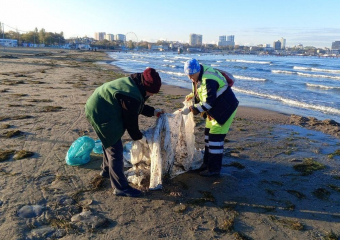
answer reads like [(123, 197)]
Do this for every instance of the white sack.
[(170, 151)]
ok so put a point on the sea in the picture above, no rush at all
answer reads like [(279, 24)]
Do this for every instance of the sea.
[(305, 86)]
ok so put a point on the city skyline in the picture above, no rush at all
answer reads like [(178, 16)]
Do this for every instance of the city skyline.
[(251, 22)]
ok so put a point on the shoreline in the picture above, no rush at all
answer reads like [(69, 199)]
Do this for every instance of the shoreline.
[(262, 114), (254, 89), (278, 181), (109, 65)]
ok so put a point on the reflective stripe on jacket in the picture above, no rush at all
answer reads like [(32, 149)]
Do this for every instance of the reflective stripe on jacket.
[(225, 103), (212, 74)]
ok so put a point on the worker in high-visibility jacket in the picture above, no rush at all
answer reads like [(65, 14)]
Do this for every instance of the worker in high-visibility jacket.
[(216, 102)]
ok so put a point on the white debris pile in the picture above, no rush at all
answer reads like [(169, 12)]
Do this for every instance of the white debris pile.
[(170, 151)]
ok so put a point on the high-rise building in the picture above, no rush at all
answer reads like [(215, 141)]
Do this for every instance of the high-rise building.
[(99, 36), (226, 40), (277, 45), (231, 38), (120, 37), (222, 38), (336, 45), (199, 40), (195, 39), (110, 37), (283, 43)]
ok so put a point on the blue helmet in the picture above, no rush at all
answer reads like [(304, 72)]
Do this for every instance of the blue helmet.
[(191, 66)]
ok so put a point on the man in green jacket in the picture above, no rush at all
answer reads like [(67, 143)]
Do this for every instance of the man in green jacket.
[(113, 108)]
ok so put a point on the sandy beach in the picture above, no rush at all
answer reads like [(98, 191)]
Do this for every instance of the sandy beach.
[(280, 180)]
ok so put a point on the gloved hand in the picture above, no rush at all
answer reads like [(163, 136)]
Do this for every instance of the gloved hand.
[(204, 115), (189, 97), (143, 141), (158, 112), (194, 110), (185, 111)]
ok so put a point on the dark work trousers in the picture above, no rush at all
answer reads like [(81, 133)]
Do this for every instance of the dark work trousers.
[(213, 153), (113, 164)]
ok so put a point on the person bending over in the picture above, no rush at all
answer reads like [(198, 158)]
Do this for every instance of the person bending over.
[(113, 108)]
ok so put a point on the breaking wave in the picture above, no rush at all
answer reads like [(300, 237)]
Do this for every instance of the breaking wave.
[(322, 86), (173, 73), (247, 61), (250, 78), (306, 74), (318, 75), (316, 69), (138, 61), (302, 68), (290, 101), (282, 71)]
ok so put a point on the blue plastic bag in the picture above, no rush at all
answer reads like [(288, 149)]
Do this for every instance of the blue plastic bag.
[(98, 147), (79, 152)]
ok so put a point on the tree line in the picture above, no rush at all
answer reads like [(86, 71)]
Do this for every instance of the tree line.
[(36, 37)]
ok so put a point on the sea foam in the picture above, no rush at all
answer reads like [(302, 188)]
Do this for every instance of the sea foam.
[(247, 61), (173, 73), (316, 69), (250, 78), (318, 75), (290, 101), (306, 74), (283, 72), (322, 86)]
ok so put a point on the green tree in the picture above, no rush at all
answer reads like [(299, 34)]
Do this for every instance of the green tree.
[(12, 35), (143, 44), (42, 35), (48, 38), (36, 36), (28, 37), (130, 44)]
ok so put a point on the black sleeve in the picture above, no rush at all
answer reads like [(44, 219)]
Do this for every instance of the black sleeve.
[(212, 87), (130, 112), (148, 111)]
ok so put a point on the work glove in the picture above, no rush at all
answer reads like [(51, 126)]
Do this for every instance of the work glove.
[(194, 111), (185, 111), (158, 112), (189, 97), (204, 115)]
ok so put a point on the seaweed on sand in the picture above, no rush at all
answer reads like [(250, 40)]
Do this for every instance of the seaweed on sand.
[(12, 133), (5, 154), (308, 166), (23, 154)]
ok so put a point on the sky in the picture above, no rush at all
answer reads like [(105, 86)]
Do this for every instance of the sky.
[(252, 22)]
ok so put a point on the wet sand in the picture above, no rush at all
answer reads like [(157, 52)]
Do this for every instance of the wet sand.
[(280, 178)]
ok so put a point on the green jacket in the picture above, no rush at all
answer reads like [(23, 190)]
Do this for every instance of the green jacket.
[(104, 111)]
